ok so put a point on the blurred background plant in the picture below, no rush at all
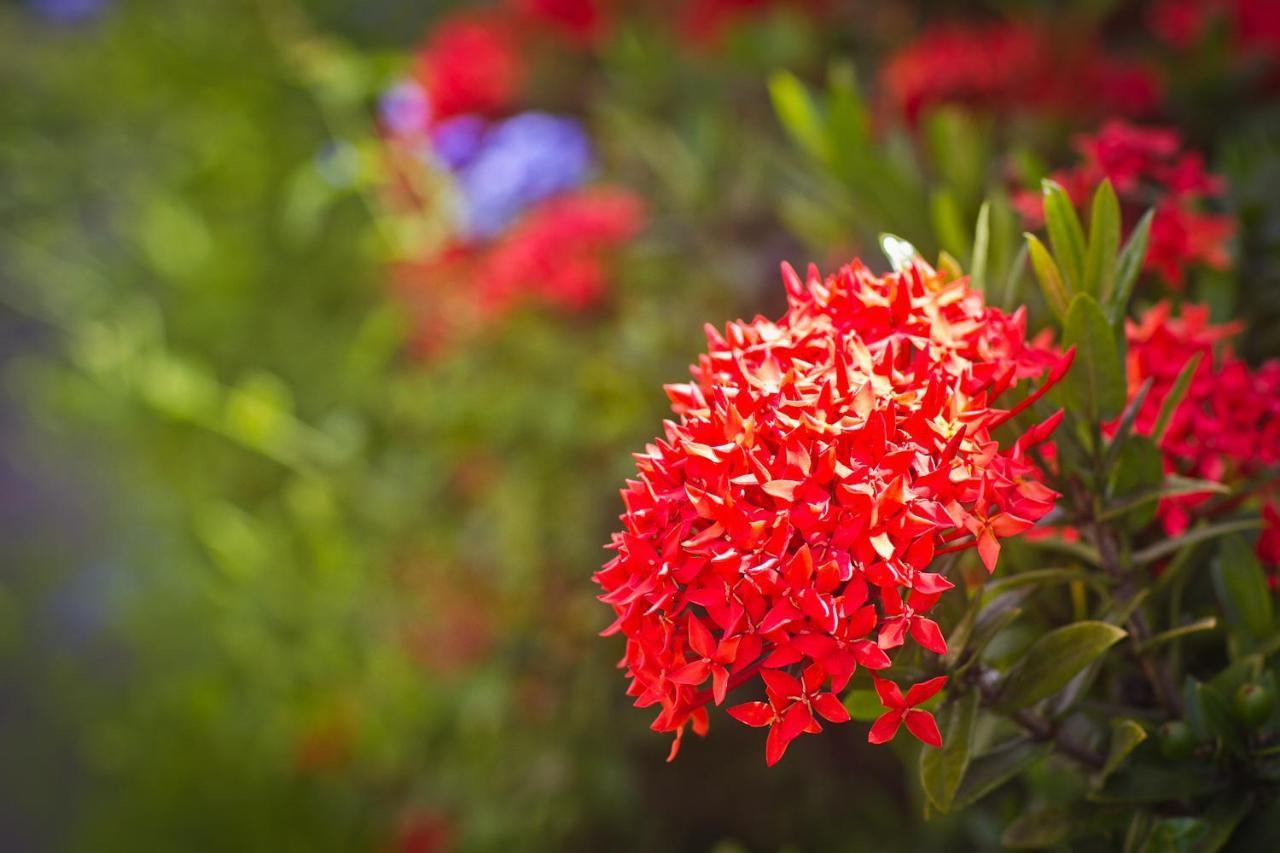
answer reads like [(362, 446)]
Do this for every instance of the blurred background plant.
[(312, 432)]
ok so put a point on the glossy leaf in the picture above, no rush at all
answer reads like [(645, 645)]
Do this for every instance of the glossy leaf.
[(1052, 662), (989, 771), (1126, 735), (1065, 234), (1096, 384), (1104, 243), (1056, 291)]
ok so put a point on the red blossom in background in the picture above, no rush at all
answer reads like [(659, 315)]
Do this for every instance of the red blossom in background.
[(1149, 167), (956, 64), (472, 64), (557, 256), (1253, 26), (1227, 427), (582, 22), (818, 465)]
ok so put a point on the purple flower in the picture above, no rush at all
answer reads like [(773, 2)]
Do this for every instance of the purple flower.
[(405, 109), (521, 161), (456, 141), (67, 11)]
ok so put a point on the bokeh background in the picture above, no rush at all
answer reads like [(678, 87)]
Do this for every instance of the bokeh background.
[(306, 465)]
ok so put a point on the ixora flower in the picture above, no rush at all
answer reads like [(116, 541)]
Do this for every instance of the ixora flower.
[(472, 64), (951, 64), (784, 526), (1149, 166), (1227, 427)]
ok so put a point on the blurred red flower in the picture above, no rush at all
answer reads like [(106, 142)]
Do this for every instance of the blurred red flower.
[(1011, 65), (1149, 167), (582, 22), (818, 466), (471, 64)]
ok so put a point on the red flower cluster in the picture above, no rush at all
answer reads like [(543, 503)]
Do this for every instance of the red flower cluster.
[(952, 64), (785, 524), (1228, 425), (556, 256), (1149, 166), (582, 22), (472, 64), (1253, 26)]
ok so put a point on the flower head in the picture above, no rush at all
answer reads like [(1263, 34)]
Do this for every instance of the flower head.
[(581, 22), (515, 164), (817, 466), (472, 64)]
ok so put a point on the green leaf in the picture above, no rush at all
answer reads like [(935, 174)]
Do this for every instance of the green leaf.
[(1125, 428), (864, 705), (1104, 243), (1242, 589), (1172, 486), (1052, 662), (991, 770), (948, 223), (981, 246), (1096, 384), (942, 770), (1174, 398), (1129, 266), (799, 115), (1143, 783), (1056, 291), (1138, 471), (1125, 737), (1065, 234), (1195, 536), (1208, 623)]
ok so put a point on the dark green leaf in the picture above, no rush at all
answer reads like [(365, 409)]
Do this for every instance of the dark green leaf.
[(1065, 234), (990, 771), (1242, 590), (863, 705), (1138, 471), (1125, 737), (1038, 829), (1195, 536), (1052, 662), (1096, 383), (1104, 243), (941, 770), (1056, 291)]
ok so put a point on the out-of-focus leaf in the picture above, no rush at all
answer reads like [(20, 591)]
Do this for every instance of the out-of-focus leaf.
[(1096, 383), (1195, 536), (1065, 234), (1038, 829), (1125, 737), (1056, 291), (863, 704), (948, 223), (981, 248), (1139, 468), (991, 770), (1054, 659), (1104, 243), (899, 252), (1174, 398), (799, 114), (1242, 590), (1144, 783), (1208, 623), (1129, 266), (941, 770), (1172, 486)]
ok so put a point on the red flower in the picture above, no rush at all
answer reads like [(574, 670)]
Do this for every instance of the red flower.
[(1227, 426), (952, 64), (1148, 166), (1269, 540), (903, 709), (472, 64), (817, 466), (793, 709), (584, 22)]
